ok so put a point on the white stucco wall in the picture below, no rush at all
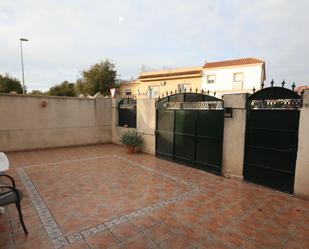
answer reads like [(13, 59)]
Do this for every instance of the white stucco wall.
[(252, 77), (301, 186)]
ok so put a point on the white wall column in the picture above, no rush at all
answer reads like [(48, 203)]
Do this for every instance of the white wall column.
[(301, 185), (234, 136), (146, 123)]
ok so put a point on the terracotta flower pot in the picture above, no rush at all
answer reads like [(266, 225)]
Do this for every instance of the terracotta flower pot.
[(131, 149)]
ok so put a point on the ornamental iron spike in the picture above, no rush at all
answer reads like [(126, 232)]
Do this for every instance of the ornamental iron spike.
[(293, 86), (190, 89), (208, 92), (196, 90), (166, 93), (272, 83), (253, 89), (262, 85), (202, 91), (283, 83), (185, 90), (175, 91), (215, 93)]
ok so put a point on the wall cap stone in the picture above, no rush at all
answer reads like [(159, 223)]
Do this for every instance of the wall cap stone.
[(306, 99), (235, 100)]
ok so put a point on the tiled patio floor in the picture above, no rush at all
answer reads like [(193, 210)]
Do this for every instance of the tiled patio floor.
[(101, 197)]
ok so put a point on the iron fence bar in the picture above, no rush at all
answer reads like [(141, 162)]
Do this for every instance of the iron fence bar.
[(209, 164), (272, 130), (198, 136), (270, 148), (270, 168)]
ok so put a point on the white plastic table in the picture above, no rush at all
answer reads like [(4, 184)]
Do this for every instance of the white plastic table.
[(4, 165), (4, 162)]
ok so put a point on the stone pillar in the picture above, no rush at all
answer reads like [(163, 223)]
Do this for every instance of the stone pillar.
[(146, 123), (234, 136), (115, 135), (301, 185)]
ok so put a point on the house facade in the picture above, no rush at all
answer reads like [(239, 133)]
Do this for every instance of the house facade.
[(222, 77), (233, 76)]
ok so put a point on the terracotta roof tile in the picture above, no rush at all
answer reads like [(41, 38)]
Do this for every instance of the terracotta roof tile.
[(243, 61), (300, 89), (170, 74)]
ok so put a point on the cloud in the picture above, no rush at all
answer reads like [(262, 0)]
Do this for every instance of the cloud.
[(120, 19), (66, 37)]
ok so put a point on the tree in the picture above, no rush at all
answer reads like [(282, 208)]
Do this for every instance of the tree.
[(37, 93), (63, 89), (9, 84), (98, 78)]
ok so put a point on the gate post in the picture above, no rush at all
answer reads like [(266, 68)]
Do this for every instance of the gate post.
[(301, 184), (115, 135), (234, 136), (146, 123)]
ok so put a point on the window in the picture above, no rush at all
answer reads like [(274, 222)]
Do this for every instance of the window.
[(128, 92), (211, 79), (153, 92), (238, 77), (238, 81), (183, 87)]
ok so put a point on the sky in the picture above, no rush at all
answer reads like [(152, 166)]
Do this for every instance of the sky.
[(68, 36)]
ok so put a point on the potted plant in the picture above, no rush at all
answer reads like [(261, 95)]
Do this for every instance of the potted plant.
[(131, 139)]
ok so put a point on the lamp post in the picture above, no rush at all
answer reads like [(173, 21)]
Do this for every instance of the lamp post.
[(22, 62)]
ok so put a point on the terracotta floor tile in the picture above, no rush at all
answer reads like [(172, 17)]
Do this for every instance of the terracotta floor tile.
[(175, 242), (158, 233), (140, 241), (86, 185), (78, 245), (124, 230), (214, 244), (102, 240), (143, 222)]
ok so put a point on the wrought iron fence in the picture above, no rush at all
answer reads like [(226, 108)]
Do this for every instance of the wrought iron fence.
[(127, 113)]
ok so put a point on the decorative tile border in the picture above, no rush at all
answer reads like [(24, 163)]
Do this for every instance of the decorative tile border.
[(67, 161), (142, 211), (53, 230), (59, 240)]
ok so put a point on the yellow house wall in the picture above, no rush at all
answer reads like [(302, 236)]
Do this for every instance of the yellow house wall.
[(170, 85)]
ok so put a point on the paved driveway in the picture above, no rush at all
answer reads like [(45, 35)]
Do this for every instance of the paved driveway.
[(101, 197)]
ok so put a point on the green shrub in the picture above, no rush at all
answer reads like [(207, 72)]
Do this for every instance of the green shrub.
[(131, 138)]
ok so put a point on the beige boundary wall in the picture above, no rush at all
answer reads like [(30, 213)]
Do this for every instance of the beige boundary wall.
[(301, 186), (234, 136), (146, 123), (25, 124)]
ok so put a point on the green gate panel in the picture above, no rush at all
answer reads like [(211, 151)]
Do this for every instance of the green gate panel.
[(192, 136), (185, 123), (209, 134), (272, 138), (165, 134)]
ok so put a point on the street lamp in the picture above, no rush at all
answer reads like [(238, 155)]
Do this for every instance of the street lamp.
[(22, 61)]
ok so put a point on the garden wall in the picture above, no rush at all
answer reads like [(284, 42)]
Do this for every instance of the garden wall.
[(26, 124)]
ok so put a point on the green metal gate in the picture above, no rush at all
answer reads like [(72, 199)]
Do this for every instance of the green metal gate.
[(272, 138), (190, 130)]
